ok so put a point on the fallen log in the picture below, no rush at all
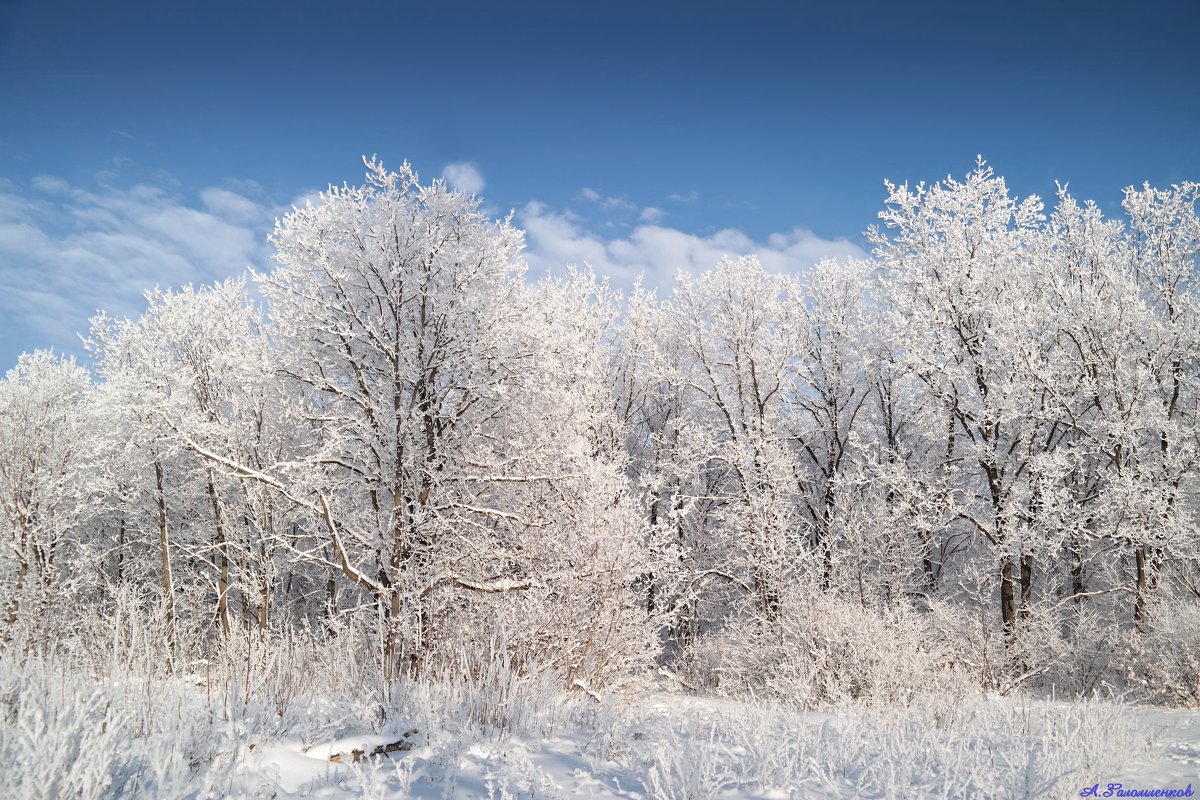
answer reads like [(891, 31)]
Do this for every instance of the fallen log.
[(399, 746)]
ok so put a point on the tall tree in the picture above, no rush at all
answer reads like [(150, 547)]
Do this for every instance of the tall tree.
[(398, 309), (48, 442), (959, 273), (1165, 243)]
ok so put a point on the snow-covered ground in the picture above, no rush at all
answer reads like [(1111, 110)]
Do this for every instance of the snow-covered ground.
[(69, 734), (686, 747), (1172, 755)]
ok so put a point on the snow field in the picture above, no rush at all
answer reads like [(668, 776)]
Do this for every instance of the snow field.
[(68, 734)]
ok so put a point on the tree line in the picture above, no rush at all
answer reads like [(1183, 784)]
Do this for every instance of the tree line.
[(979, 445)]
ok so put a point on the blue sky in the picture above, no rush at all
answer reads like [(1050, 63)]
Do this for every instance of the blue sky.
[(146, 143)]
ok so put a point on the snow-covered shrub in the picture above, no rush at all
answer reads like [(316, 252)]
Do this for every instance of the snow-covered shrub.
[(824, 650), (1163, 663), (58, 736), (585, 622), (690, 764), (487, 686), (1094, 646), (992, 748)]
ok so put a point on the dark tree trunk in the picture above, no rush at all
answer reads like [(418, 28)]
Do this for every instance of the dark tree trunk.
[(1078, 574), (927, 566), (1008, 600), (120, 572), (1026, 585), (1139, 603), (1146, 581)]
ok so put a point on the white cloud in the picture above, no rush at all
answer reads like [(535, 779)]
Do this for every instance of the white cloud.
[(464, 177), (50, 184), (232, 206), (66, 252), (655, 252), (686, 197), (607, 202)]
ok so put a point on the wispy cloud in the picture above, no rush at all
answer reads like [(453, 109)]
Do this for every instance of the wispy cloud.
[(67, 251), (464, 176), (234, 207), (655, 252), (607, 202), (50, 184), (622, 207)]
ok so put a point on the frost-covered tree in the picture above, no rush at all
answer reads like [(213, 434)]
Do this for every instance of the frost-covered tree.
[(396, 310), (726, 346), (1165, 248), (48, 446), (595, 551), (962, 281), (193, 371), (814, 486), (451, 421), (829, 392)]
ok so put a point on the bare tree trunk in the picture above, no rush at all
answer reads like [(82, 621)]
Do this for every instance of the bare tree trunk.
[(221, 542), (1139, 607), (264, 604), (1026, 585), (1078, 575), (651, 584), (768, 596), (1008, 602), (14, 605), (394, 649), (927, 545), (331, 587), (1146, 582), (164, 551), (826, 537), (1157, 557), (120, 572), (264, 577)]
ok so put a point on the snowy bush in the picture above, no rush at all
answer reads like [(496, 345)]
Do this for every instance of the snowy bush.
[(1163, 664), (826, 651)]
